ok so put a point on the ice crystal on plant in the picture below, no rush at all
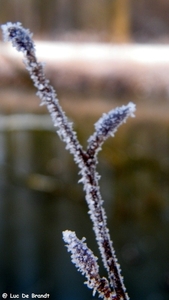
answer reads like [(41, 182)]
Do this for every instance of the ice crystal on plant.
[(21, 38), (82, 256), (86, 263), (106, 126)]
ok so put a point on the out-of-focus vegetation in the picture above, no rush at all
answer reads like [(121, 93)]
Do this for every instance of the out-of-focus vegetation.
[(116, 20), (39, 196)]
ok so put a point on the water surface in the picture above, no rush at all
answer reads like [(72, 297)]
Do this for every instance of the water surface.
[(40, 198)]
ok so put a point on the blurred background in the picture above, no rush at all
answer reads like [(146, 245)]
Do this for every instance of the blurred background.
[(99, 55)]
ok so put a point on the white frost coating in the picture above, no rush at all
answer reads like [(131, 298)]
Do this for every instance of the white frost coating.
[(40, 86), (20, 37), (106, 126), (21, 40), (108, 123), (86, 263), (81, 255)]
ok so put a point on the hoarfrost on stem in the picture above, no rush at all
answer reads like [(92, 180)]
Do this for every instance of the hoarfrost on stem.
[(108, 124), (20, 37), (86, 263), (82, 256)]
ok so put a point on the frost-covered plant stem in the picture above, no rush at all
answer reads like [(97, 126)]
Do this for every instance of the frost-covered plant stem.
[(106, 126)]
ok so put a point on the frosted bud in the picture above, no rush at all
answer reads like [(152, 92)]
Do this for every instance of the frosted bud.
[(107, 125), (81, 255), (20, 37)]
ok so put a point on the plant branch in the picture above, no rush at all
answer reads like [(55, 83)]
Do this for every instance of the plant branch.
[(86, 160)]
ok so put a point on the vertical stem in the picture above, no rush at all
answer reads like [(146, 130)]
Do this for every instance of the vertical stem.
[(86, 160)]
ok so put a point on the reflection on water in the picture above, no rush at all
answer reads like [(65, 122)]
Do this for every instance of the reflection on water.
[(40, 198)]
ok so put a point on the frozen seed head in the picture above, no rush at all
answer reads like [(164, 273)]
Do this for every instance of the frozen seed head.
[(107, 125), (20, 37), (81, 255), (86, 263)]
